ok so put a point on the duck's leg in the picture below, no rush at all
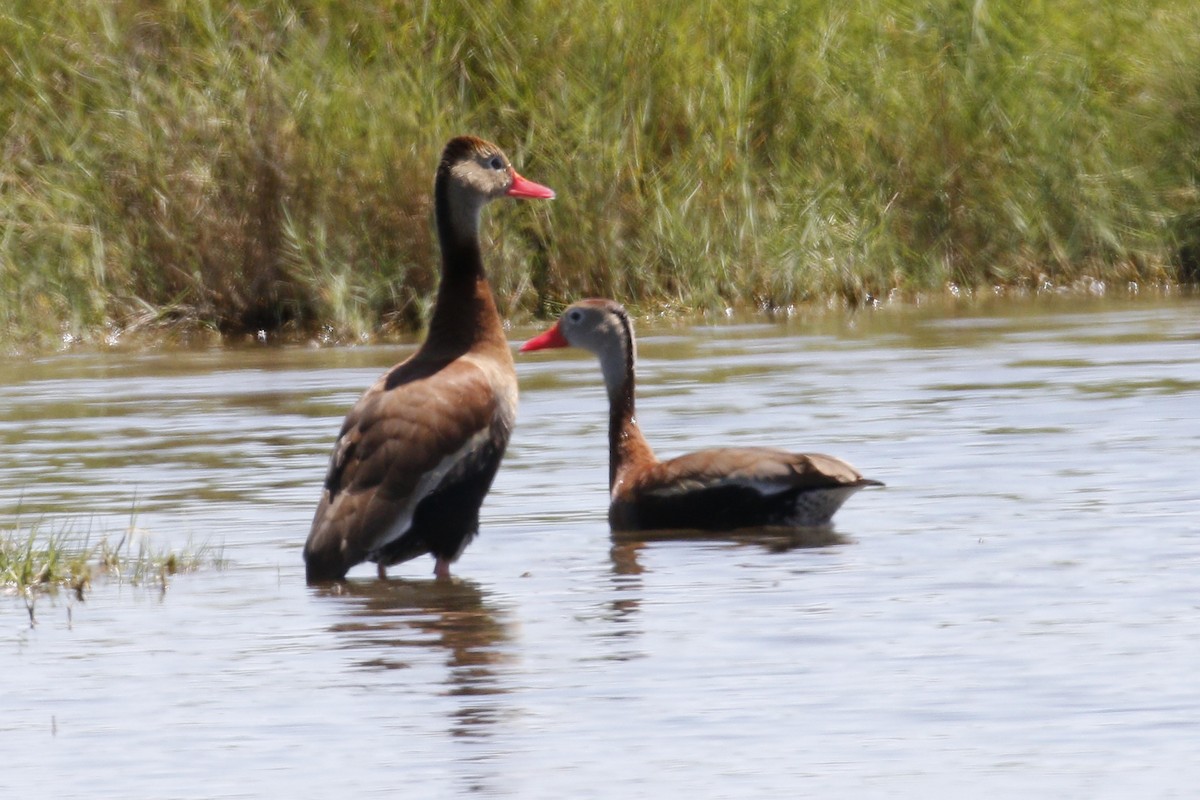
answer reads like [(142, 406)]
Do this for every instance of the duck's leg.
[(441, 569)]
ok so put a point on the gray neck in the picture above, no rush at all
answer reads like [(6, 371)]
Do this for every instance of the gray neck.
[(627, 447), (617, 365)]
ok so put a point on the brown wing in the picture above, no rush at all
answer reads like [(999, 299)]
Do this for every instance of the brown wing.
[(765, 469), (415, 428)]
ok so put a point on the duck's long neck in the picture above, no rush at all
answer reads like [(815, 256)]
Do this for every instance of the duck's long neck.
[(465, 314), (627, 447)]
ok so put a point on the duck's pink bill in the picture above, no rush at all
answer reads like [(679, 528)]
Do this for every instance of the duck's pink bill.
[(543, 341), (523, 187)]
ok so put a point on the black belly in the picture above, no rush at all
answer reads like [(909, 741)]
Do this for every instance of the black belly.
[(721, 508)]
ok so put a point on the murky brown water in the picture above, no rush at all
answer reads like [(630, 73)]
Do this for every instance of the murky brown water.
[(1017, 612)]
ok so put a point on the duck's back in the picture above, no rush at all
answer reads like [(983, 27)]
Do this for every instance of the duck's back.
[(737, 487)]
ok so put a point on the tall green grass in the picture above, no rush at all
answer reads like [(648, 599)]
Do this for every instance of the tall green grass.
[(245, 166)]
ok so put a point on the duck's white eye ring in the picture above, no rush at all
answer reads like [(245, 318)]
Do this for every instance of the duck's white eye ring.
[(575, 316), (496, 162)]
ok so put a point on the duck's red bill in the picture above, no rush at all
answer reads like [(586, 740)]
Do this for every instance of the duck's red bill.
[(523, 187), (544, 341)]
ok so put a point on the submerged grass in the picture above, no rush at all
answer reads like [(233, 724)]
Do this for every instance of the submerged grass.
[(242, 166), (34, 562)]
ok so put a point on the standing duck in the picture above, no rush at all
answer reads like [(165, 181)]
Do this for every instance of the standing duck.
[(418, 451), (720, 489)]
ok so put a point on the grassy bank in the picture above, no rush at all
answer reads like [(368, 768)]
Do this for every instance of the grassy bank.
[(240, 166)]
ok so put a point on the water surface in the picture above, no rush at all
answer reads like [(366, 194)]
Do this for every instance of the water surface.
[(1016, 612)]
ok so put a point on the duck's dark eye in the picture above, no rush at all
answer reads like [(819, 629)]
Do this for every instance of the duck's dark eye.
[(575, 316), (496, 162)]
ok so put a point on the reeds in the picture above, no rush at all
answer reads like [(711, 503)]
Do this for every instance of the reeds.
[(245, 166)]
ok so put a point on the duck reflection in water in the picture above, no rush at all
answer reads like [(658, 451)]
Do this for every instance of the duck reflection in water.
[(627, 544), (627, 569), (390, 619)]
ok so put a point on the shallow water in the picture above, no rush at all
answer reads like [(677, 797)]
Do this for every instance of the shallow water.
[(1016, 612)]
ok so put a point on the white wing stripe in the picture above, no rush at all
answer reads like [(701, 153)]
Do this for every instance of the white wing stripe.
[(430, 481), (765, 488)]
